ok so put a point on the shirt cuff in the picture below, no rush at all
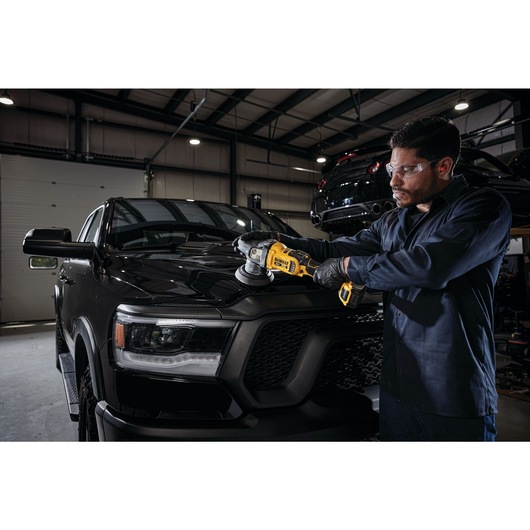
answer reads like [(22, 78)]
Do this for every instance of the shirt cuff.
[(355, 266)]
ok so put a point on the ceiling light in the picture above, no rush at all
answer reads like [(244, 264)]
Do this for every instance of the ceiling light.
[(6, 99), (461, 104), (194, 141), (321, 157)]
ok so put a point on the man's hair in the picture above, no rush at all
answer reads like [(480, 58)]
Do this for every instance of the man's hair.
[(434, 137)]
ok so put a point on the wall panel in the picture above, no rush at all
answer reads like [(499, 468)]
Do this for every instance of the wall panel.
[(43, 193)]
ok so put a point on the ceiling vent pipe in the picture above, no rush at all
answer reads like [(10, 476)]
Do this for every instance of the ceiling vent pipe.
[(194, 110)]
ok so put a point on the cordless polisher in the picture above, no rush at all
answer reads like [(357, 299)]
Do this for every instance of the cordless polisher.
[(265, 256)]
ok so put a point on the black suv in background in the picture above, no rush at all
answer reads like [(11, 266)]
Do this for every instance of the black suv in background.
[(354, 189), (157, 340)]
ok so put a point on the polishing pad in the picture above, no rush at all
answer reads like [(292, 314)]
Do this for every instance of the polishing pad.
[(254, 280)]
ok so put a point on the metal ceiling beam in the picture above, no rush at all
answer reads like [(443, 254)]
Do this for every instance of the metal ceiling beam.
[(328, 115), (220, 112), (176, 99), (474, 105), (124, 94), (209, 127), (516, 94), (292, 101), (409, 106), (227, 134)]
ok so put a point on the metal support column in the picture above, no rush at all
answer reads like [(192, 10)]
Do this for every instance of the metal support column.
[(233, 172), (77, 129), (522, 130)]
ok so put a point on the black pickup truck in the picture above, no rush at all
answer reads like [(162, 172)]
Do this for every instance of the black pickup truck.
[(157, 340)]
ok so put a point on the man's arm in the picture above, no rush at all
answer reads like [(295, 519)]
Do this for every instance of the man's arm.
[(476, 232), (364, 243)]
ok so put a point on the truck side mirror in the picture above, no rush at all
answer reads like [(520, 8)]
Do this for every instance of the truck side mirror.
[(56, 242)]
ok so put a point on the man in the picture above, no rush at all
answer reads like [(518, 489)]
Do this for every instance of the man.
[(436, 258)]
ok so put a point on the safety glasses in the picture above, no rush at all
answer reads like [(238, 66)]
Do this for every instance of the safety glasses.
[(407, 171)]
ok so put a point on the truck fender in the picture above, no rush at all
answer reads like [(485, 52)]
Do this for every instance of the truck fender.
[(85, 331)]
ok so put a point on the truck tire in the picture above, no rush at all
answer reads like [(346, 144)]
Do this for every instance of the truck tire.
[(88, 431)]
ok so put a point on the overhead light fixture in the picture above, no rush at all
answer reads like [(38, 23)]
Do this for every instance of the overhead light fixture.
[(461, 104), (193, 105), (321, 158), (6, 99)]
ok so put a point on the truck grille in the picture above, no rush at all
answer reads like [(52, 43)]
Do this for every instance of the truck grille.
[(351, 367), (347, 365)]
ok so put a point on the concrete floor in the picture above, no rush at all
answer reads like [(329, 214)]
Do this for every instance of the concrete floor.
[(32, 401)]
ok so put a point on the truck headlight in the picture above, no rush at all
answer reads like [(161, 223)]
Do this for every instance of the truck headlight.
[(170, 346)]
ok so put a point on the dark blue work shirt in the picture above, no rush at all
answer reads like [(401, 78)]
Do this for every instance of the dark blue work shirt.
[(438, 277)]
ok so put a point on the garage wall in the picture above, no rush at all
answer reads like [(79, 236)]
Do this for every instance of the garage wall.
[(187, 186), (201, 172), (44, 193), (290, 200), (284, 190)]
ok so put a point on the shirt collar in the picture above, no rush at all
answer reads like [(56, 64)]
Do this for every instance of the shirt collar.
[(449, 194), (454, 190)]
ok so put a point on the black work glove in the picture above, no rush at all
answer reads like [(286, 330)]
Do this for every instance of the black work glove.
[(256, 235), (331, 274)]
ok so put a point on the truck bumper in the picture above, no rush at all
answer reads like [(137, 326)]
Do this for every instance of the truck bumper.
[(309, 422)]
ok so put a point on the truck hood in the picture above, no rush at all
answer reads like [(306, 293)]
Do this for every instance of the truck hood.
[(194, 273)]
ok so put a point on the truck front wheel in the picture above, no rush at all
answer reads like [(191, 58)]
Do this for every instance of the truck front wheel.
[(88, 431)]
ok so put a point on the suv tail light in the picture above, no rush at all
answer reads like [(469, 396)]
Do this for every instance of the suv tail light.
[(374, 168), (320, 185)]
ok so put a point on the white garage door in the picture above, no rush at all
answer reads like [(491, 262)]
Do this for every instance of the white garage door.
[(43, 193)]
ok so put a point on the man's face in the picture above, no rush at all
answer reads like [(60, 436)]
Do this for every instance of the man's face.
[(412, 184)]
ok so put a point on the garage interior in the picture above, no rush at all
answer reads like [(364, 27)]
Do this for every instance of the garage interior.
[(63, 151), (123, 132)]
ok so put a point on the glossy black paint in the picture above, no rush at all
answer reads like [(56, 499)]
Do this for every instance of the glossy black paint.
[(183, 269)]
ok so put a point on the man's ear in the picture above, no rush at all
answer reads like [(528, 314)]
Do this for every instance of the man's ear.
[(444, 168)]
